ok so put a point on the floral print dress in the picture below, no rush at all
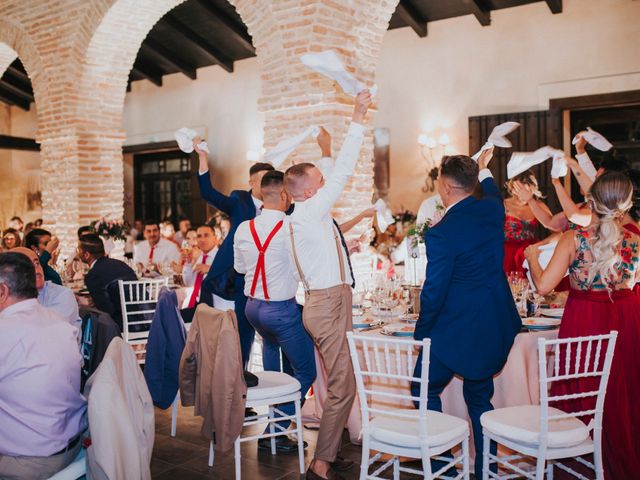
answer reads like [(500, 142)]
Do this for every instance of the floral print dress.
[(518, 235)]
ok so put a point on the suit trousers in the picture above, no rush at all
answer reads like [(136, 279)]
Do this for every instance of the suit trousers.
[(280, 325), (36, 467), (477, 395), (327, 318)]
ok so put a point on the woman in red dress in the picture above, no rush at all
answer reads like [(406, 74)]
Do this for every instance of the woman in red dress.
[(604, 262)]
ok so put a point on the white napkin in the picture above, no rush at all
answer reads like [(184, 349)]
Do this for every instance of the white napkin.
[(278, 154), (328, 64), (185, 137), (546, 252), (520, 162), (559, 168), (384, 216), (498, 138), (597, 140)]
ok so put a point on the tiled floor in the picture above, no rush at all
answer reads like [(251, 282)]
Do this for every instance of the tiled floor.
[(185, 456)]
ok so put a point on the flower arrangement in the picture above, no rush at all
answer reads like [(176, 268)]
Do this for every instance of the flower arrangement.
[(114, 229), (417, 232)]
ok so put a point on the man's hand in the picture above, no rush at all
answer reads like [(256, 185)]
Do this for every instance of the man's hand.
[(196, 141), (202, 268), (324, 142), (203, 165), (53, 245), (363, 101), (369, 212), (484, 158), (581, 143)]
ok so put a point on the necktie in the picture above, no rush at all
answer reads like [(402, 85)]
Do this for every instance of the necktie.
[(151, 254), (197, 285), (344, 245)]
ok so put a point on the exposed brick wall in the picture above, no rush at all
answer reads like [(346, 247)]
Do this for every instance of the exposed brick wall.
[(78, 54)]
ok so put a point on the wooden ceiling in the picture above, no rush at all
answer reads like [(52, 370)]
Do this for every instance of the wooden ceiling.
[(200, 33)]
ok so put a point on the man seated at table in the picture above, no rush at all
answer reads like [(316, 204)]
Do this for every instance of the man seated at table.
[(58, 298), (104, 273), (154, 251), (184, 225), (466, 307), (197, 265), (45, 245), (42, 413)]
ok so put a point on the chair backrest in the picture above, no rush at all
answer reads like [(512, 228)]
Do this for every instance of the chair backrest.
[(583, 361), (384, 369), (138, 299)]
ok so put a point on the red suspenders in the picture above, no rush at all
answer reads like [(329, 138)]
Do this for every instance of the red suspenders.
[(260, 267)]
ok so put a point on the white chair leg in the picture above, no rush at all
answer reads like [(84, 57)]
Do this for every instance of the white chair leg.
[(236, 455), (597, 456), (426, 464), (364, 461), (486, 441), (465, 458), (211, 453), (549, 470), (272, 429), (299, 434), (540, 468), (174, 415), (396, 468)]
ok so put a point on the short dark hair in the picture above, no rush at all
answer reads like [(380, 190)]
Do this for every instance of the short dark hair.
[(18, 274), (148, 223), (259, 167), (16, 219), (84, 230), (92, 243), (32, 239), (462, 169), (204, 225), (614, 164), (272, 178)]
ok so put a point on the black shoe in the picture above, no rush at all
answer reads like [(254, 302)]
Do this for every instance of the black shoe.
[(341, 464), (250, 412), (283, 444), (332, 475)]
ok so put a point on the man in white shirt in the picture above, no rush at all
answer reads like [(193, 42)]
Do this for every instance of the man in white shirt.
[(196, 269), (321, 261), (42, 412), (50, 295), (155, 250), (261, 253)]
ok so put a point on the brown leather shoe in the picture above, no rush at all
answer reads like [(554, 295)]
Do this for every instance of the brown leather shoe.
[(341, 464), (331, 475)]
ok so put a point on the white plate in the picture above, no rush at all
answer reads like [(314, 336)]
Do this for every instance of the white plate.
[(541, 322), (552, 312), (398, 330)]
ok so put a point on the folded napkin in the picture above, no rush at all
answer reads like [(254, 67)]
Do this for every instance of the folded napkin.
[(597, 140), (520, 162), (278, 154), (185, 137), (328, 64), (498, 138), (384, 216), (546, 252)]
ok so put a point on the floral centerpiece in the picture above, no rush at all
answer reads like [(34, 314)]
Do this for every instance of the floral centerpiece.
[(114, 229)]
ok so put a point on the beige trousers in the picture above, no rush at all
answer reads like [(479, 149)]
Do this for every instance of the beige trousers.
[(327, 318), (35, 468)]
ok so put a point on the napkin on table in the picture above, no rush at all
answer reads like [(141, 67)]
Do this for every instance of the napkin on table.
[(328, 64)]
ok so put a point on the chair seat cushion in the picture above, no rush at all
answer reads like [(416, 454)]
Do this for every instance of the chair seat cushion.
[(522, 424), (405, 432), (273, 385)]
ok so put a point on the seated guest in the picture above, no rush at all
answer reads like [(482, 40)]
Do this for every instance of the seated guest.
[(18, 225), (184, 226), (41, 242), (154, 250), (102, 278), (168, 231), (42, 413), (70, 265), (58, 298), (192, 237), (10, 239)]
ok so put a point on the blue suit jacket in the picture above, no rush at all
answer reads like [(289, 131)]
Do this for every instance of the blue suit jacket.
[(466, 306), (240, 207)]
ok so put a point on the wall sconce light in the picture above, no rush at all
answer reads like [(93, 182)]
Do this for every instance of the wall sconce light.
[(427, 146)]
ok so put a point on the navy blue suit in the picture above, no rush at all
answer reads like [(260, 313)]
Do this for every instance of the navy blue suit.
[(222, 280), (466, 306)]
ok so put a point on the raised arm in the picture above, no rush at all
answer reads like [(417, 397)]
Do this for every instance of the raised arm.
[(436, 284), (488, 185), (555, 223), (548, 279), (577, 215), (211, 195), (349, 224)]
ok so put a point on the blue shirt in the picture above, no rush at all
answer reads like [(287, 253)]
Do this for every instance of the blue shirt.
[(62, 301)]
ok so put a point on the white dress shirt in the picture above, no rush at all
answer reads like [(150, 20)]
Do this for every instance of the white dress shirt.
[(282, 283), (314, 231), (41, 407), (62, 301), (164, 251), (587, 165), (188, 275), (258, 203)]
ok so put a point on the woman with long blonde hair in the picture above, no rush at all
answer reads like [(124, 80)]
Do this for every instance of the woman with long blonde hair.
[(603, 261)]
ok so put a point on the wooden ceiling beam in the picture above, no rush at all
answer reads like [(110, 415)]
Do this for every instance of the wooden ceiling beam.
[(412, 17), (554, 5), (200, 42), (12, 99), (8, 142), (18, 74), (143, 70), (16, 90), (162, 52), (481, 12), (239, 34)]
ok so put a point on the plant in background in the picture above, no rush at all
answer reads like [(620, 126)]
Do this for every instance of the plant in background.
[(114, 229)]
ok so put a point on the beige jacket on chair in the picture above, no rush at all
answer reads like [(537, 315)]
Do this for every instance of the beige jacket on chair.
[(211, 375), (121, 419)]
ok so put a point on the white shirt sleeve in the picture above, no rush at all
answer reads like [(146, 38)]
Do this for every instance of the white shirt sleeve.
[(138, 254), (484, 174), (587, 165), (239, 264), (188, 276), (173, 252), (322, 202)]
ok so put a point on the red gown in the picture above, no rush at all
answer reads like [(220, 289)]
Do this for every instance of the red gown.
[(518, 235), (590, 310)]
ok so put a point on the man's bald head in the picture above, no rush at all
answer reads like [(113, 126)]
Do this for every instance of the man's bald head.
[(302, 181)]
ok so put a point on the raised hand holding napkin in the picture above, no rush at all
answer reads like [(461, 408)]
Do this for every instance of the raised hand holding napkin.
[(595, 139), (185, 136), (278, 154), (498, 137), (328, 64)]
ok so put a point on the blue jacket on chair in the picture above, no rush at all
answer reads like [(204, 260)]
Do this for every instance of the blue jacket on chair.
[(466, 306), (221, 279)]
